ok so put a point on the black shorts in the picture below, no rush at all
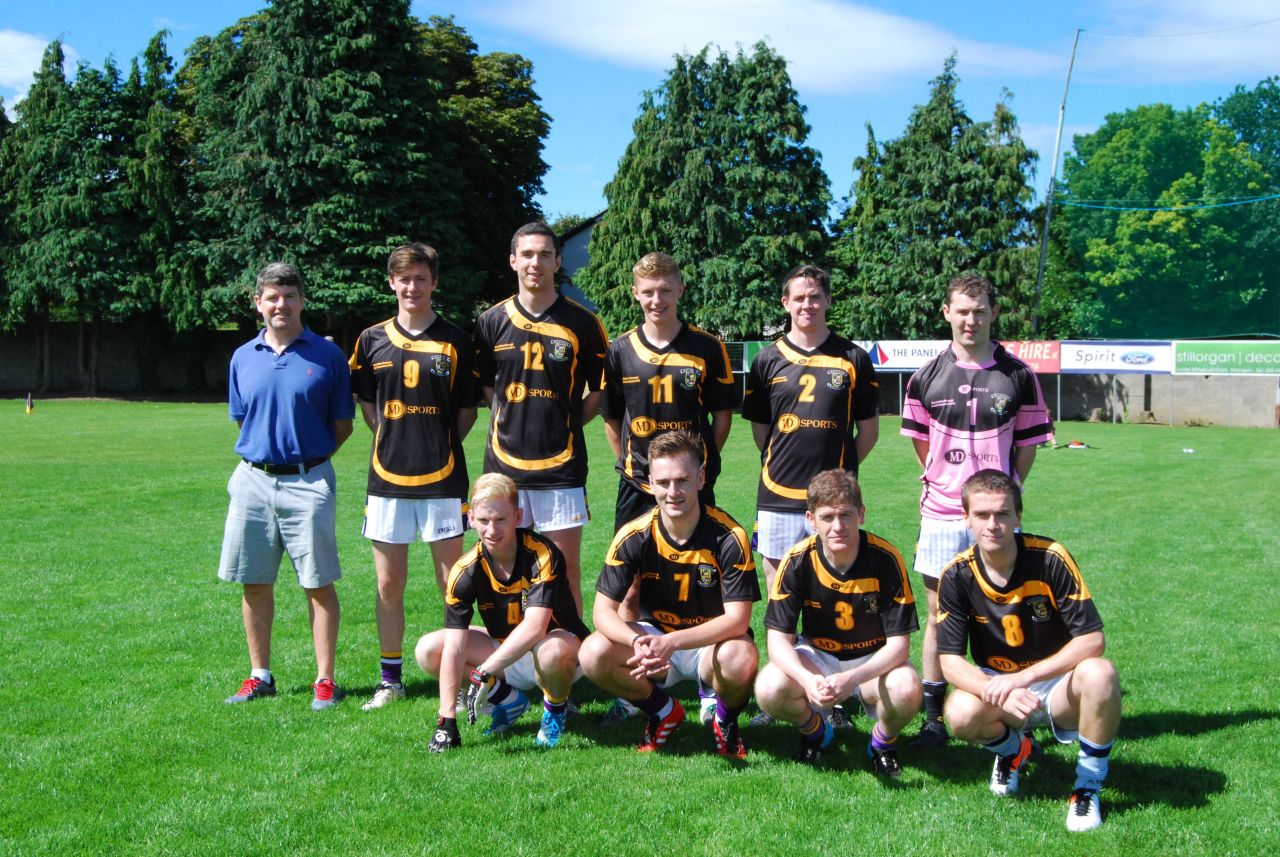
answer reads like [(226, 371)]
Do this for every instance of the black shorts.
[(634, 502)]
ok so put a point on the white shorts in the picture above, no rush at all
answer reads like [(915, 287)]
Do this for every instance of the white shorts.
[(523, 674), (1044, 715), (939, 543), (404, 520), (828, 664), (554, 508), (684, 662), (778, 532)]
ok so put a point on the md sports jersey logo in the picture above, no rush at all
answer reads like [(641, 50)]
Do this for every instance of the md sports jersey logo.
[(666, 617), (788, 423), (706, 575), (517, 392), (440, 365), (837, 379), (1005, 665), (957, 456), (643, 426), (560, 350), (835, 646), (689, 378), (394, 409)]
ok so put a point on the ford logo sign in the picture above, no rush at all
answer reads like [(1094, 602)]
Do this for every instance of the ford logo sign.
[(1137, 358)]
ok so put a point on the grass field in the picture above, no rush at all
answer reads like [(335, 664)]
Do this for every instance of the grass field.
[(119, 646)]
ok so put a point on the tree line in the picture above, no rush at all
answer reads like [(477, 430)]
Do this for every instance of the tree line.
[(326, 134)]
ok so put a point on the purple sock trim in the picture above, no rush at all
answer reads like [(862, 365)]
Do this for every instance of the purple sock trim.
[(392, 673), (554, 708), (726, 713), (880, 741), (500, 691)]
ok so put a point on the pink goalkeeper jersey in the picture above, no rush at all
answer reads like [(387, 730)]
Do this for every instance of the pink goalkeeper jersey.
[(972, 416)]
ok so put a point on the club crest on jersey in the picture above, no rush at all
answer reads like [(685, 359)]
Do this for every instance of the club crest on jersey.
[(689, 378), (524, 600), (706, 575), (1039, 608), (1000, 404), (873, 602), (440, 365), (559, 349), (837, 379)]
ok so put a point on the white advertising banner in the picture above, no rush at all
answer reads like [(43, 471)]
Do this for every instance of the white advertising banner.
[(902, 355), (1114, 358)]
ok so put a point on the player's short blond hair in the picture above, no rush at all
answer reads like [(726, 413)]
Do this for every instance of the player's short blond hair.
[(654, 265), (494, 486), (832, 487), (679, 442)]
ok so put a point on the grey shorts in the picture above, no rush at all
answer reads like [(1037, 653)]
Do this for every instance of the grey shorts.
[(271, 515)]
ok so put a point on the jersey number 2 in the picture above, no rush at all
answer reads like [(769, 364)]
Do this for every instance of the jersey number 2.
[(807, 383)]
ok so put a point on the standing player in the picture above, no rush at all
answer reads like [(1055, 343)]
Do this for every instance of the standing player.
[(805, 395), (413, 376), (537, 352), (1020, 606), (850, 590), (660, 376), (973, 406), (697, 582), (532, 629), (290, 392)]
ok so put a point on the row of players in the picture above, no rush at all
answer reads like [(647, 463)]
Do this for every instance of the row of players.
[(541, 363)]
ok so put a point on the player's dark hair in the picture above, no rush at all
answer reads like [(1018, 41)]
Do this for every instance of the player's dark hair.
[(678, 442), (537, 227), (406, 256), (278, 274), (832, 487), (973, 285), (991, 481), (807, 272)]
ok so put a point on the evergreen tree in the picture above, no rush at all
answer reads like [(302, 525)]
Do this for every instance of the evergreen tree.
[(949, 196), (493, 116), (324, 149), (719, 176)]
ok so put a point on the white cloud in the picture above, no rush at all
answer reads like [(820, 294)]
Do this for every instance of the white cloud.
[(1183, 41), (20, 55), (830, 46), (171, 24)]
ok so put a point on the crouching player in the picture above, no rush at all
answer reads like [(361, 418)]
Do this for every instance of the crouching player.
[(697, 582), (532, 628), (850, 591), (1019, 603)]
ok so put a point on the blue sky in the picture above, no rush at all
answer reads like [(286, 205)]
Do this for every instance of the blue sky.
[(851, 62)]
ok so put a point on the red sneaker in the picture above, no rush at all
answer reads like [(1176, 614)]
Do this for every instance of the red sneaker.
[(660, 729)]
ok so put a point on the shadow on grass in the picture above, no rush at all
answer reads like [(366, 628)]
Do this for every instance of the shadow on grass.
[(1158, 724)]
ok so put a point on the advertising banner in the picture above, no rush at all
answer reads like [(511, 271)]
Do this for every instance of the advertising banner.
[(1115, 358), (1259, 357), (902, 355), (1043, 357)]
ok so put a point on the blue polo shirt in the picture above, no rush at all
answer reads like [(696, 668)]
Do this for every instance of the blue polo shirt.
[(287, 403)]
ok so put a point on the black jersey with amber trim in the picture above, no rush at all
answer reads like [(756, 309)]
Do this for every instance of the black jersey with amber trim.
[(539, 367), (1008, 628), (681, 585), (651, 390), (418, 383), (847, 614), (811, 401), (537, 580)]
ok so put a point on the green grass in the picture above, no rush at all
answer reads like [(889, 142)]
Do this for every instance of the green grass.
[(119, 645)]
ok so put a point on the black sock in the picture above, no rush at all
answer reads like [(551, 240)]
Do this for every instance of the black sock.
[(935, 693)]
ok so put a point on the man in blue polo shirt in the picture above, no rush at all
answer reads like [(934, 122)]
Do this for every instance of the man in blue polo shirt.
[(290, 392)]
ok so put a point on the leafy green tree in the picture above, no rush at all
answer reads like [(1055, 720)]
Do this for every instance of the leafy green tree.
[(1144, 219), (493, 115), (324, 149), (950, 195), (719, 176)]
